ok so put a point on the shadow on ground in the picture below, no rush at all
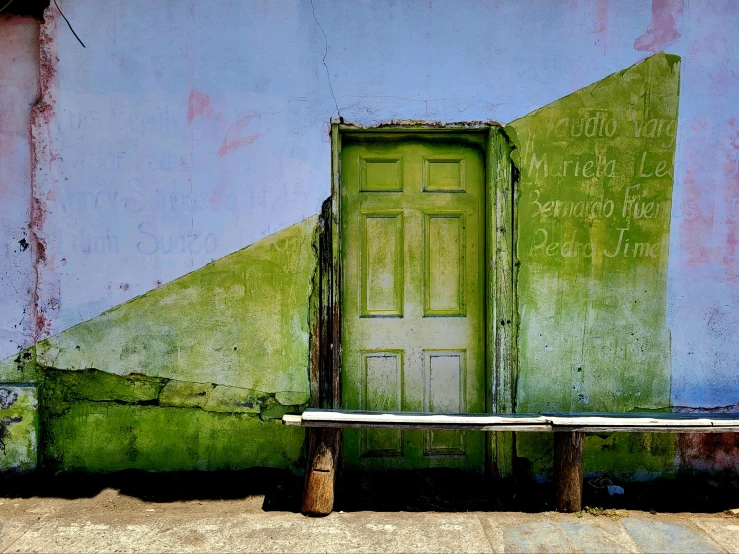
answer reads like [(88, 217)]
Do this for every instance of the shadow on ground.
[(446, 490), (281, 490), (436, 490)]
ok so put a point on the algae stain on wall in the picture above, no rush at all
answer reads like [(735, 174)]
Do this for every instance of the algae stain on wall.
[(97, 421), (240, 321), (193, 375), (594, 206), (108, 436)]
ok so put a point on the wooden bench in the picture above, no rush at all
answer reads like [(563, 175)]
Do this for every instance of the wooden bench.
[(569, 430)]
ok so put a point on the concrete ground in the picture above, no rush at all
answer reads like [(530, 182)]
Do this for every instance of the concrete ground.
[(436, 511), (112, 521)]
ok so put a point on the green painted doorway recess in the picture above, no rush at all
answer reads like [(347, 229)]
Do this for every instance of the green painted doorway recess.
[(413, 288)]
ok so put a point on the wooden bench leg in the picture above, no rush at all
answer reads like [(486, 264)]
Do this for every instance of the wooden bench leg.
[(320, 475), (568, 449)]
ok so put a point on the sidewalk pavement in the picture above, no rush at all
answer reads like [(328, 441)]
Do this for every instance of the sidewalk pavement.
[(114, 522)]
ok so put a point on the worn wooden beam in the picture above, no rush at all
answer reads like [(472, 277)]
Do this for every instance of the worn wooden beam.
[(324, 372), (591, 423), (640, 419), (406, 125), (324, 446), (617, 422), (568, 476), (292, 420), (429, 426), (647, 429), (348, 417), (316, 319), (501, 325), (335, 284)]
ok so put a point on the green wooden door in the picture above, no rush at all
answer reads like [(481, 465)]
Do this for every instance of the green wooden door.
[(413, 283)]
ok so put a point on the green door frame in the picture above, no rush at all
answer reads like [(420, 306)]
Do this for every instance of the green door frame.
[(500, 301)]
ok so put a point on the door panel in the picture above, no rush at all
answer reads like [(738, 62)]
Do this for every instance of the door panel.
[(382, 386), (445, 389), (444, 253), (381, 263), (413, 278)]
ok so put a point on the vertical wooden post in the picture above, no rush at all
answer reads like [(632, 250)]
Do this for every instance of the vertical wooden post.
[(568, 451), (324, 445), (320, 475), (501, 325)]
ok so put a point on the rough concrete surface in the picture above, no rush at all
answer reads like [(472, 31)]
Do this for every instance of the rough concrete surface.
[(114, 522)]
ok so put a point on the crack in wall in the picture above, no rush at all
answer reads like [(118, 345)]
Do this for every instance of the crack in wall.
[(325, 53), (62, 387)]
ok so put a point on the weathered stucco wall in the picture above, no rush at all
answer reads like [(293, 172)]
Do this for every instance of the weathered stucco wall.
[(183, 133), (95, 421), (193, 375), (19, 72), (594, 204), (595, 191), (240, 321)]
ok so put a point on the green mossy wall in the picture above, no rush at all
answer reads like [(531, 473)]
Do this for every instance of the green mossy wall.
[(594, 206), (97, 421), (195, 374), (18, 428), (107, 436), (240, 321)]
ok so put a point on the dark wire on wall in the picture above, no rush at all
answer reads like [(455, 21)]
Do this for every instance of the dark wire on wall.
[(6, 5), (68, 23)]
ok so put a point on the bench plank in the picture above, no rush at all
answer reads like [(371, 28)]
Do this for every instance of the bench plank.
[(415, 420), (570, 422), (646, 429), (543, 428), (657, 422), (292, 420)]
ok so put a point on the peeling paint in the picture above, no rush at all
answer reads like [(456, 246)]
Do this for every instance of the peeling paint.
[(198, 104), (43, 155), (234, 139), (18, 428), (8, 397), (19, 74), (664, 29), (709, 452), (184, 394)]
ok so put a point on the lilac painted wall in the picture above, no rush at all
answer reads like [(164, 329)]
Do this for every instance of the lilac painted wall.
[(18, 91), (185, 131)]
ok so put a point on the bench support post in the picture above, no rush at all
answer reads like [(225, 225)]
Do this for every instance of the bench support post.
[(320, 474), (568, 479)]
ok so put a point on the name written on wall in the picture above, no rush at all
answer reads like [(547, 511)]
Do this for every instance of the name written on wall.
[(601, 124), (629, 223)]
